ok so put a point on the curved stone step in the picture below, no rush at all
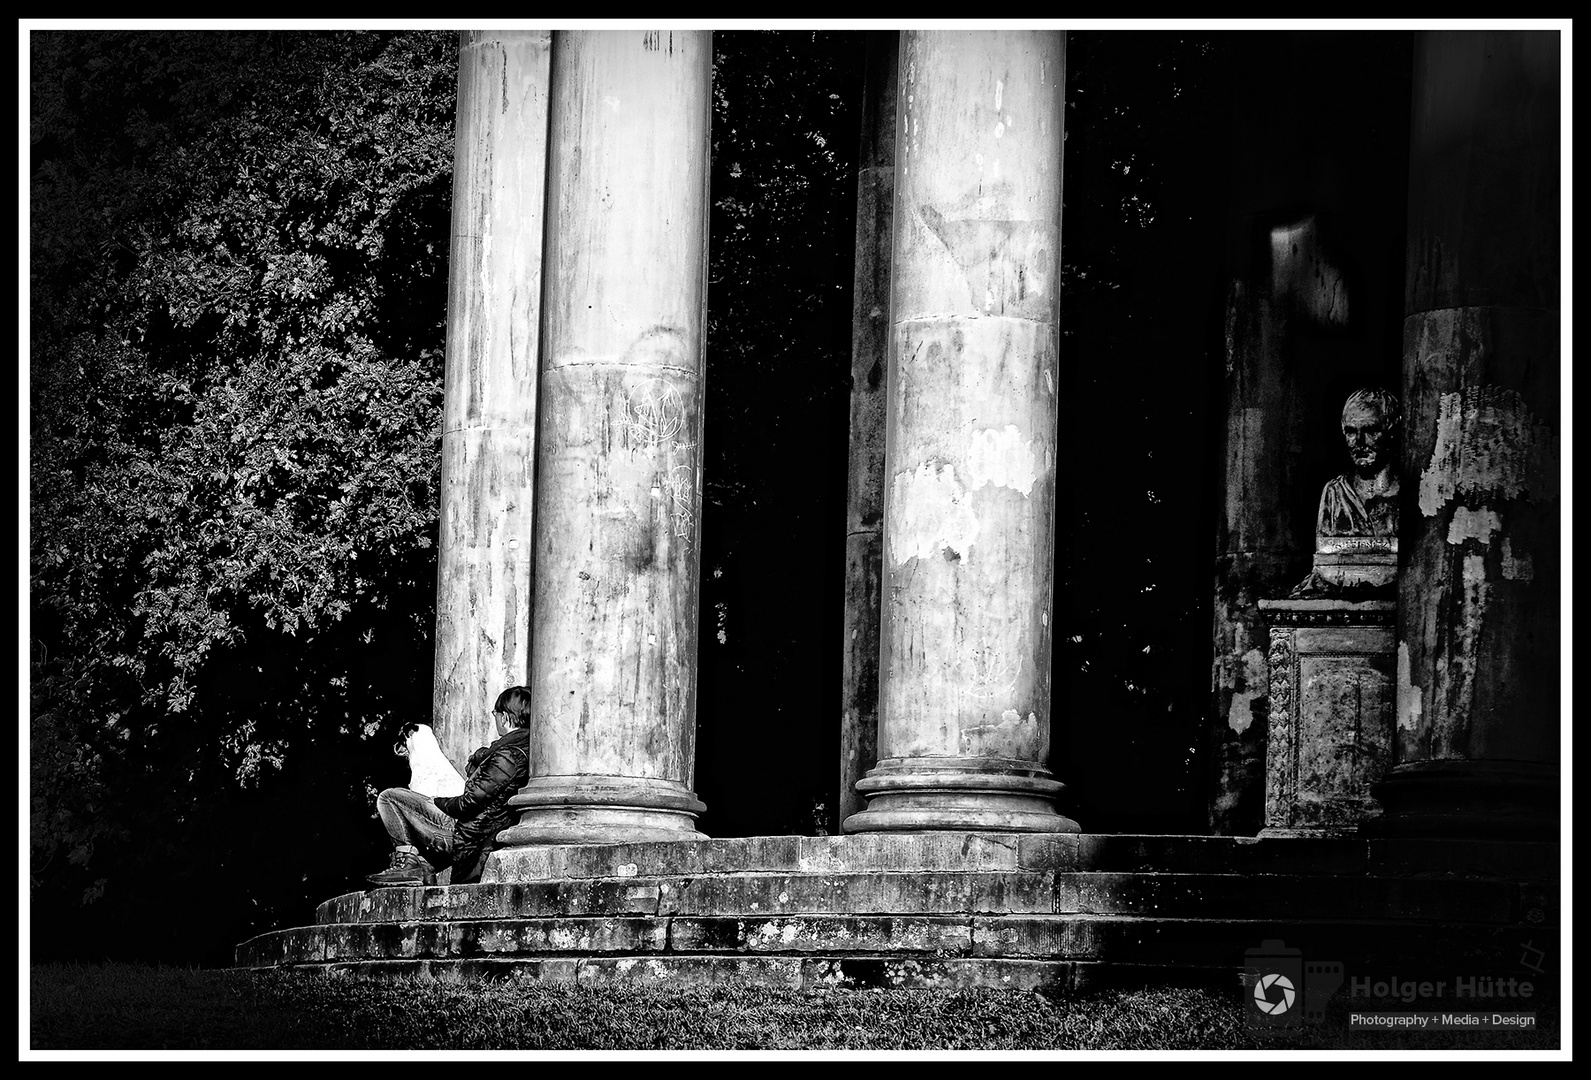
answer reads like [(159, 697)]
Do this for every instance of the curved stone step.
[(796, 973), (1018, 892), (1005, 852), (1112, 939), (774, 972), (960, 906)]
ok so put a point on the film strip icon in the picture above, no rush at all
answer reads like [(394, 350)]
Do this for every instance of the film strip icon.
[(1322, 979)]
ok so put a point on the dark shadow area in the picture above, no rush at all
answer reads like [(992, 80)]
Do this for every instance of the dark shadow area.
[(785, 133)]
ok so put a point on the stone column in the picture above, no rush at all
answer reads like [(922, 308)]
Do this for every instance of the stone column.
[(1280, 317), (1478, 701), (969, 520), (613, 651), (864, 493), (489, 402)]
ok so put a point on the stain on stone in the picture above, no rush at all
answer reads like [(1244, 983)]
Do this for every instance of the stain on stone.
[(1408, 706), (1242, 675), (935, 513), (952, 555), (1470, 524), (1489, 447), (645, 556), (1002, 458), (1516, 568)]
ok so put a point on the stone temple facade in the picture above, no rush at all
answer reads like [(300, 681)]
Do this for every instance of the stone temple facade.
[(1411, 770)]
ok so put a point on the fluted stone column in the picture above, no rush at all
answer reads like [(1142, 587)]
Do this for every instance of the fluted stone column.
[(489, 402), (864, 490), (968, 563), (614, 625), (1478, 698)]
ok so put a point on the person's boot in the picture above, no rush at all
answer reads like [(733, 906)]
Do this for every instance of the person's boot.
[(407, 869)]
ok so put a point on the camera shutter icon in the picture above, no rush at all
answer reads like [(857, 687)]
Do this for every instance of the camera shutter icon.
[(1274, 975), (1274, 994)]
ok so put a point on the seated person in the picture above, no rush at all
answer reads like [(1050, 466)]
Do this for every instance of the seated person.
[(433, 832)]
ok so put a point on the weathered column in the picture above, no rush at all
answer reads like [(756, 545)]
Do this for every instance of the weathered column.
[(613, 651), (969, 559), (1478, 703), (864, 492), (1296, 298), (489, 403)]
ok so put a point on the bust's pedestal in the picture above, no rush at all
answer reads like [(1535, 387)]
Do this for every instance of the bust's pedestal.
[(1332, 695), (1356, 562)]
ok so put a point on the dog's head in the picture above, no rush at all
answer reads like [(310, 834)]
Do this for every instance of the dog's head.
[(405, 733)]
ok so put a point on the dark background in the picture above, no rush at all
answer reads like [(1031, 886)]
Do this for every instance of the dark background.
[(1180, 151)]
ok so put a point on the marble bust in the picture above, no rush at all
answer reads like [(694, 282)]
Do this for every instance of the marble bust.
[(1356, 527)]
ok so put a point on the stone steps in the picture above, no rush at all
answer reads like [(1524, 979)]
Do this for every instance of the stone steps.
[(1155, 949), (942, 892), (773, 972), (1003, 852), (942, 909)]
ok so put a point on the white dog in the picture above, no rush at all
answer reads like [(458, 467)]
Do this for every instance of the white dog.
[(430, 772)]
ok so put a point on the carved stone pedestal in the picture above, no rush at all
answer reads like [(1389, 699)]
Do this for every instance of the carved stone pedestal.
[(1332, 691)]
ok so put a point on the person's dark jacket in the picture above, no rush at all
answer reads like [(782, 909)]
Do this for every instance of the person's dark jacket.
[(496, 773)]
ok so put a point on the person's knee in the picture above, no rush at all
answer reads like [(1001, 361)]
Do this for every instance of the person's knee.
[(387, 804)]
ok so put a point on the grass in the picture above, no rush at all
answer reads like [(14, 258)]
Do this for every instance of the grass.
[(125, 1007)]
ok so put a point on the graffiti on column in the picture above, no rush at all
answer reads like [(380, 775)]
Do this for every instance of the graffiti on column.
[(992, 674), (681, 488), (655, 417)]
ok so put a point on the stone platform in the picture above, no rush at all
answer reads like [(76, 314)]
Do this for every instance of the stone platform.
[(1020, 911)]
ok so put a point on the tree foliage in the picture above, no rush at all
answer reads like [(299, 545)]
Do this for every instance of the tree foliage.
[(237, 290)]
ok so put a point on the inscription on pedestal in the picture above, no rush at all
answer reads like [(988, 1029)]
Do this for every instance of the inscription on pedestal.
[(1331, 713)]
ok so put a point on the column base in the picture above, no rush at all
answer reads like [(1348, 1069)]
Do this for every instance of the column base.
[(1459, 799), (602, 810), (936, 794)]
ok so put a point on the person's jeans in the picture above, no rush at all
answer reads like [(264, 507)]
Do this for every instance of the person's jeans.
[(413, 819)]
